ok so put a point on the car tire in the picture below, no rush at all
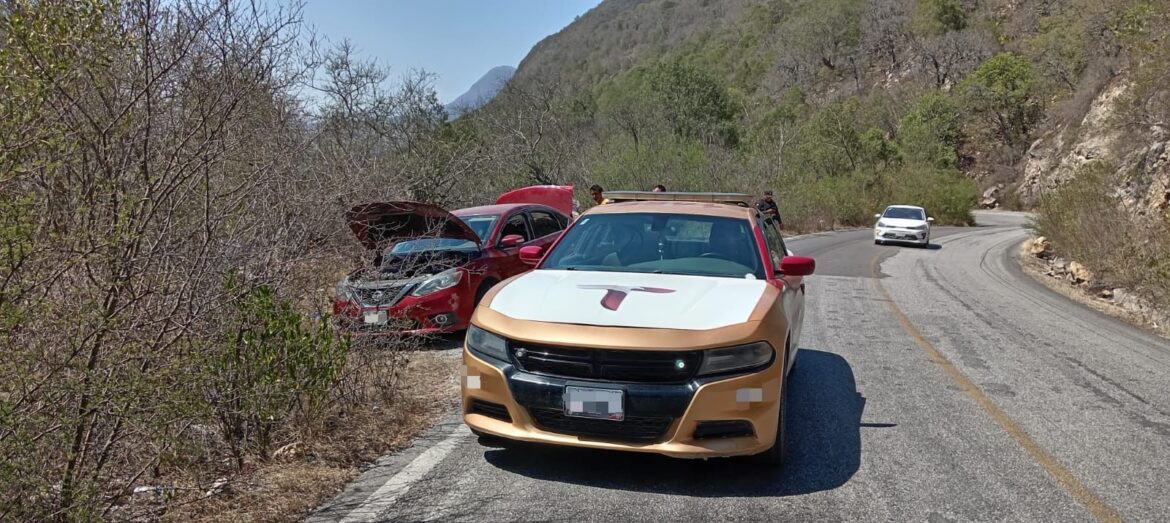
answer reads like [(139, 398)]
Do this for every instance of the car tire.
[(877, 242), (778, 454), (481, 292)]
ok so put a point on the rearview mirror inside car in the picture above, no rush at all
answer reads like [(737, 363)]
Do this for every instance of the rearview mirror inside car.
[(511, 240), (531, 254), (797, 266)]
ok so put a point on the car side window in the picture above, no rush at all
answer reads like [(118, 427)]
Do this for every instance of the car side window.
[(776, 247), (544, 224), (516, 225)]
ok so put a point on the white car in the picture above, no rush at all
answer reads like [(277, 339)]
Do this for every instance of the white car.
[(902, 224)]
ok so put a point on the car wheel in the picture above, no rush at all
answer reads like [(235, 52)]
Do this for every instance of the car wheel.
[(877, 242), (481, 292), (777, 455)]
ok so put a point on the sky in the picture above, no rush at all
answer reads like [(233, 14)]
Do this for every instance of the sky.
[(458, 40)]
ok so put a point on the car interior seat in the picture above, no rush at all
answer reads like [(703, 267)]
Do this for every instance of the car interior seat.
[(731, 241)]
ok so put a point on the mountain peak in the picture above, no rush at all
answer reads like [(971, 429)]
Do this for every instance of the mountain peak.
[(481, 92)]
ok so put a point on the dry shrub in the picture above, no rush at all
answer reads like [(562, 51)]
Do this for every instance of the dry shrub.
[(148, 150), (1087, 223)]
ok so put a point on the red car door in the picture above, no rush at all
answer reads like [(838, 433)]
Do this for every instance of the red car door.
[(507, 258)]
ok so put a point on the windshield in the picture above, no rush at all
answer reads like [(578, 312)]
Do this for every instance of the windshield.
[(481, 224), (431, 244), (659, 243), (903, 213)]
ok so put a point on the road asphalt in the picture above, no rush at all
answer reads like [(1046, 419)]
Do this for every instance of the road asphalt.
[(933, 384)]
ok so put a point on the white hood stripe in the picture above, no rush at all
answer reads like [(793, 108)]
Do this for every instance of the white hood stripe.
[(616, 299)]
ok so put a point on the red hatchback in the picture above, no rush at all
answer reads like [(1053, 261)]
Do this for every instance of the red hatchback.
[(431, 267)]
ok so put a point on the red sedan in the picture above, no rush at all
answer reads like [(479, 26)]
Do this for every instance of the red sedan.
[(430, 267)]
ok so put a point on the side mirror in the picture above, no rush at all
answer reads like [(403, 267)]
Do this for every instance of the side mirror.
[(531, 254), (929, 219), (797, 266), (511, 240), (878, 216)]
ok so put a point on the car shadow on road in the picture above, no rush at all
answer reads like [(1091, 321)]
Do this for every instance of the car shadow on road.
[(824, 448), (930, 246)]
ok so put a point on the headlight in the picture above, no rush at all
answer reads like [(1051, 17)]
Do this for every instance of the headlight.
[(718, 361), (918, 227), (444, 280), (882, 224), (485, 343), (343, 292)]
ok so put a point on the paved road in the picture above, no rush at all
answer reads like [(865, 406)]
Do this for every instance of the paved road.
[(934, 384)]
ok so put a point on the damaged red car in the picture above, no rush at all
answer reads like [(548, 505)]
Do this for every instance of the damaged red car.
[(430, 267)]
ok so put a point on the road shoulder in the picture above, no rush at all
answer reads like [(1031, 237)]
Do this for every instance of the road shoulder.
[(1155, 322)]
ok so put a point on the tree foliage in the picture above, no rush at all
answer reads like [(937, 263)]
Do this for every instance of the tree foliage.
[(1002, 93)]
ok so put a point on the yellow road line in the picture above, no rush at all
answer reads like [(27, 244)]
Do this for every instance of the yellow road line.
[(1063, 476)]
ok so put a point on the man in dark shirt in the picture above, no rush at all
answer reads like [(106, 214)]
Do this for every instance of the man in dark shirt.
[(767, 206)]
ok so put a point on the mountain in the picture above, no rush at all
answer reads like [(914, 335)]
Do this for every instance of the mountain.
[(481, 92)]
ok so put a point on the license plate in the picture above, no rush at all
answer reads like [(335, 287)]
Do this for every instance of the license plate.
[(375, 317), (583, 402)]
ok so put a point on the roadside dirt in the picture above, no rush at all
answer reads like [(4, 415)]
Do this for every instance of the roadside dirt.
[(1153, 320)]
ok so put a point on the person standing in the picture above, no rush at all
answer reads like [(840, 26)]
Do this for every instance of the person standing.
[(767, 207), (598, 195)]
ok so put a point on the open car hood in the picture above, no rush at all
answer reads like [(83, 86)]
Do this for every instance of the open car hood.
[(559, 197), (378, 225)]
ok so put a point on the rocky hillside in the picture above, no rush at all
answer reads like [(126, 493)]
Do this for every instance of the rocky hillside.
[(1141, 159)]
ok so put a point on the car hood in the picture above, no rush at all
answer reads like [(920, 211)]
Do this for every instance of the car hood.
[(615, 299), (378, 225), (902, 222)]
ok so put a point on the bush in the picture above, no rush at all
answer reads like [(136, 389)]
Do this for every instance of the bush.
[(1086, 223), (272, 365)]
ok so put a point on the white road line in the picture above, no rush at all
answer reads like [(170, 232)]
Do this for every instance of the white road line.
[(383, 498)]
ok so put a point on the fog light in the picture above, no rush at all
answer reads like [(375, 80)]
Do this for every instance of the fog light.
[(442, 320)]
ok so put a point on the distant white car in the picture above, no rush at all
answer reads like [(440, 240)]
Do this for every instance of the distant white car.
[(902, 224)]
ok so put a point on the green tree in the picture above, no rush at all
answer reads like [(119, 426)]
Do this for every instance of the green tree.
[(1002, 93), (929, 132), (936, 17), (695, 104)]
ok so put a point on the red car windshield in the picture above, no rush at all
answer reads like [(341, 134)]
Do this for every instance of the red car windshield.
[(481, 223), (659, 243)]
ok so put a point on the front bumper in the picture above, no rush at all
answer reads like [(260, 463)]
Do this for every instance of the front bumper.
[(894, 234), (660, 418), (436, 313)]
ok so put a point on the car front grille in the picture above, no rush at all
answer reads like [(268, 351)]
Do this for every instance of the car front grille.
[(382, 296), (631, 366), (632, 428)]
